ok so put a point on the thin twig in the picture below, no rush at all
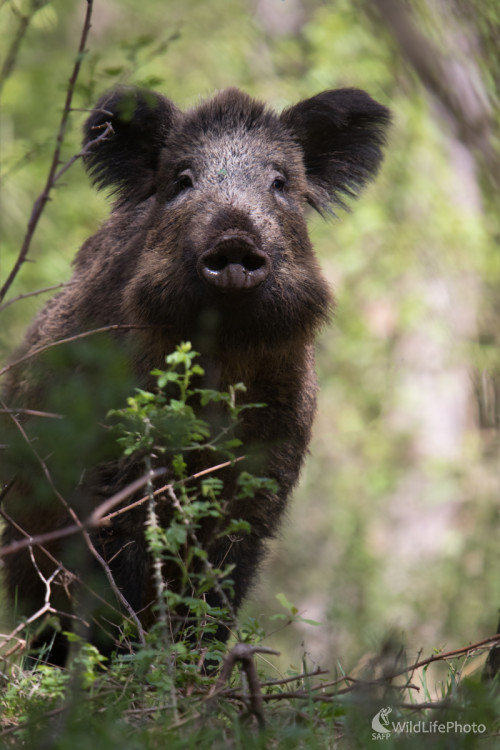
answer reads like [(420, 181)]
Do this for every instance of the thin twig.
[(297, 678), (33, 294), (57, 563), (449, 654), (32, 413), (88, 541), (352, 683), (107, 131), (42, 199), (96, 519), (165, 488), (100, 516)]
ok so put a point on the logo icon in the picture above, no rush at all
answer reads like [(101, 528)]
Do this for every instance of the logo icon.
[(380, 722)]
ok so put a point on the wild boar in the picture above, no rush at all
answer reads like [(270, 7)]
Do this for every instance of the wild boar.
[(207, 242)]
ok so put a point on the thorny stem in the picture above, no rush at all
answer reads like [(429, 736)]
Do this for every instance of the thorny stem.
[(161, 603), (44, 196)]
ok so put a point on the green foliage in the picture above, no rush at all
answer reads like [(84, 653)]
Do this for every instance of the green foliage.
[(129, 702), (165, 422), (293, 615), (172, 423)]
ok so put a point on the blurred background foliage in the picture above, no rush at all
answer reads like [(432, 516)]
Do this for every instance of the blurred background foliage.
[(394, 529)]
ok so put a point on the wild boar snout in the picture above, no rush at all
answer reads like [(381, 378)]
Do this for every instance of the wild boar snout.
[(234, 263)]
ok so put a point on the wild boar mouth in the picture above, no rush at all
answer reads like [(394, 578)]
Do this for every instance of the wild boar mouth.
[(234, 263)]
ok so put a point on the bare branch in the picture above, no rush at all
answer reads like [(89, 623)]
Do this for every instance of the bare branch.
[(42, 199), (33, 294), (165, 488), (116, 590), (108, 130), (43, 465), (57, 563), (244, 653), (80, 526), (446, 655), (97, 518), (32, 413), (46, 608), (39, 539), (311, 694), (100, 516)]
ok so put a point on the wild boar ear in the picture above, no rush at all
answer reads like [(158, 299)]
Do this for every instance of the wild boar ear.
[(341, 134), (126, 160)]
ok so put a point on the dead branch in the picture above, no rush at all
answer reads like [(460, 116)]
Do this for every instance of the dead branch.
[(33, 294), (46, 608), (42, 199), (244, 653), (100, 516), (298, 678), (88, 541), (32, 413), (38, 539), (446, 655), (353, 684), (116, 590), (40, 460), (57, 563), (96, 519), (167, 488)]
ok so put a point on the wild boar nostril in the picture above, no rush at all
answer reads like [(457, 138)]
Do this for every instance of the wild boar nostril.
[(216, 262), (253, 262)]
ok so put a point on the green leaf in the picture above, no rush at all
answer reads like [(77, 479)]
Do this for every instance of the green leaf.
[(286, 604)]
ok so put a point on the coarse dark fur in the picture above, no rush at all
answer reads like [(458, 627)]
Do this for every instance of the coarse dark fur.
[(206, 242)]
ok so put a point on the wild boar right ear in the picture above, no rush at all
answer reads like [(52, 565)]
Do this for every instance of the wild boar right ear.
[(126, 160), (341, 134)]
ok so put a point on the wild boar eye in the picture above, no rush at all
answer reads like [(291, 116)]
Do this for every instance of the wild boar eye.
[(278, 184), (184, 182)]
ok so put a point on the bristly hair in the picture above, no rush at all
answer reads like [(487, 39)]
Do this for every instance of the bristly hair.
[(228, 110)]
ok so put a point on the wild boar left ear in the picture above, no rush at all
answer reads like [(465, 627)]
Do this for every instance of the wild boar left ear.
[(126, 159), (341, 134)]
